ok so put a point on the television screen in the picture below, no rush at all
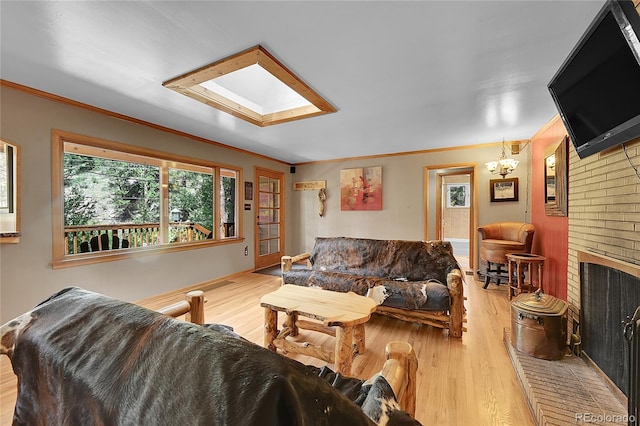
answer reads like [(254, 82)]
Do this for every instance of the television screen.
[(597, 88)]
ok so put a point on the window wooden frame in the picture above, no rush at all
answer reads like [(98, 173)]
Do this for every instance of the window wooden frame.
[(10, 220), (86, 144)]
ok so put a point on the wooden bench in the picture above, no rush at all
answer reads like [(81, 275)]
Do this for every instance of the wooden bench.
[(341, 315)]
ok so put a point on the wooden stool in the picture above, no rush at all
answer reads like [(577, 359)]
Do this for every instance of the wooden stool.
[(342, 315), (522, 262)]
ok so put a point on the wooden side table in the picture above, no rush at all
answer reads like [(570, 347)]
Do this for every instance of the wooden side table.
[(523, 262), (342, 315)]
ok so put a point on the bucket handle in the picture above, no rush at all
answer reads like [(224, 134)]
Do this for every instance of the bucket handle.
[(522, 315)]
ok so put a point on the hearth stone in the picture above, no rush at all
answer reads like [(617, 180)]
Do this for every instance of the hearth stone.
[(564, 392)]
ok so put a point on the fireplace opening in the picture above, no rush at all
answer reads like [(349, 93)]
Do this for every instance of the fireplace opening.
[(609, 297)]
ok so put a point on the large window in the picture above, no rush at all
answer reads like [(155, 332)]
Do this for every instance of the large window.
[(117, 200), (9, 192)]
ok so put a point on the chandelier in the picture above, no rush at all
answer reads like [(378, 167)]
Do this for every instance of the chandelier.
[(504, 165)]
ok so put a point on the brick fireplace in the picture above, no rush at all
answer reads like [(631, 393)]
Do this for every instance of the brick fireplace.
[(604, 229), (604, 210)]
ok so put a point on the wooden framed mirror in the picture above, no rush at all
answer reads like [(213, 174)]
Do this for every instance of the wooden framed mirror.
[(9, 192), (556, 179)]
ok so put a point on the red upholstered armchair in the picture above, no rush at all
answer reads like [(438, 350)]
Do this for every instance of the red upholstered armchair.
[(501, 238)]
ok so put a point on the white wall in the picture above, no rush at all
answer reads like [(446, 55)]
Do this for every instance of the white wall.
[(403, 213), (26, 277)]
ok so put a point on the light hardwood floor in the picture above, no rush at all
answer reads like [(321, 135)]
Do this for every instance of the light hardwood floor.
[(468, 381)]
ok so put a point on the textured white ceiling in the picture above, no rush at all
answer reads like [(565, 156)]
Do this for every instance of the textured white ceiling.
[(404, 75)]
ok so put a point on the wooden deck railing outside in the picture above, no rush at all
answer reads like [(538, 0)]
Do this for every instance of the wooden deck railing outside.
[(78, 239)]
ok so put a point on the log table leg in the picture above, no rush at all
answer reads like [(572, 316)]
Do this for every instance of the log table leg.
[(290, 322), (343, 354), (358, 336), (270, 328)]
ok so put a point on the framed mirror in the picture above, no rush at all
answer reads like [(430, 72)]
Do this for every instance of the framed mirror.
[(556, 178), (9, 192)]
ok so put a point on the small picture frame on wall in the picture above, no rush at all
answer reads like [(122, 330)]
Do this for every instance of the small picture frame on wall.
[(248, 191), (504, 189), (458, 195)]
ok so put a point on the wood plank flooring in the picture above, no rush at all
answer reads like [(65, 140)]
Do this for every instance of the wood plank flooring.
[(468, 381)]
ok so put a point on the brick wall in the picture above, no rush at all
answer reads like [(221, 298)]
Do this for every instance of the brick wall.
[(604, 209)]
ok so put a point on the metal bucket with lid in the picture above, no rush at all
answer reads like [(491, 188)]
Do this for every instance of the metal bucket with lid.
[(539, 325)]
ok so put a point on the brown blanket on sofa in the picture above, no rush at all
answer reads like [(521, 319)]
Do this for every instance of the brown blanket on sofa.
[(84, 358), (414, 273)]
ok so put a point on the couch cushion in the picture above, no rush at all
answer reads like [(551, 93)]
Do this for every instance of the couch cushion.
[(392, 259), (427, 295)]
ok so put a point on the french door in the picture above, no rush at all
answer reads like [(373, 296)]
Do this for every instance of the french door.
[(269, 230)]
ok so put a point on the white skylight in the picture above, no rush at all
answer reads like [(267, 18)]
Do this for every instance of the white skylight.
[(257, 89), (254, 86)]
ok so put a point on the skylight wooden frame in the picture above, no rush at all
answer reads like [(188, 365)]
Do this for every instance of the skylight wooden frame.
[(189, 85)]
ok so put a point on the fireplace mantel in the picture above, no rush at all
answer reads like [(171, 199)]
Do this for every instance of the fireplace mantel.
[(600, 259)]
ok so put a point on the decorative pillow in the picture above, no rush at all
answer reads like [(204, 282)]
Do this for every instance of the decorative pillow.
[(381, 405)]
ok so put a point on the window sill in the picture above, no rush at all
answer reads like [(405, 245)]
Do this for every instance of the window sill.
[(9, 238), (131, 253)]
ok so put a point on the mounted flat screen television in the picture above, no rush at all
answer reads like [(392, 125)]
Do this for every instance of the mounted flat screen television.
[(597, 88)]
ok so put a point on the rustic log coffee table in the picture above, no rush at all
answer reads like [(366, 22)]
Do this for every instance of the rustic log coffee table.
[(341, 315)]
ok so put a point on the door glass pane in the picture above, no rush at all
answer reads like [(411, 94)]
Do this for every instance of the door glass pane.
[(264, 184), (274, 230), (266, 199), (264, 247), (264, 215), (264, 231)]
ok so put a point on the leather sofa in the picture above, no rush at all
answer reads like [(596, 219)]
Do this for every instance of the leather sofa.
[(420, 281)]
